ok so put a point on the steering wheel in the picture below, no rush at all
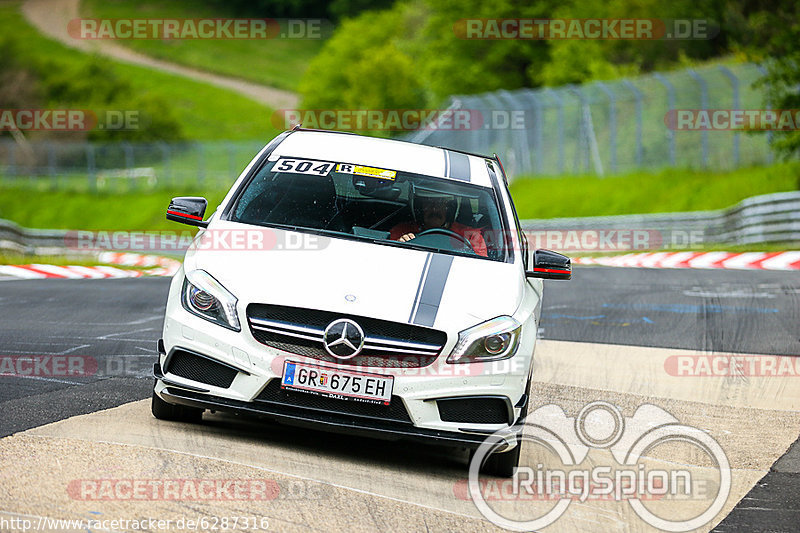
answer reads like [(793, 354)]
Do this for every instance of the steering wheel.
[(450, 233)]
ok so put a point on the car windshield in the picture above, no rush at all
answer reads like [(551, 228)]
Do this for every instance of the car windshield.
[(380, 205)]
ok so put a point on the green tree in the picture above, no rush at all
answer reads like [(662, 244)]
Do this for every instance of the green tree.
[(780, 53), (363, 66)]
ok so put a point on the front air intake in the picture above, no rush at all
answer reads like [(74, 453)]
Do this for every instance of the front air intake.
[(199, 368), (475, 410)]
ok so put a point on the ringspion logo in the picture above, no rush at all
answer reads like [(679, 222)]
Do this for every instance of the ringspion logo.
[(624, 471)]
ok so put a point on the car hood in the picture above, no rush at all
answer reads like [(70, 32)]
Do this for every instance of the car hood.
[(359, 278)]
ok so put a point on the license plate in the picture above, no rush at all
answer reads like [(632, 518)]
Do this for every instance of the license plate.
[(337, 383)]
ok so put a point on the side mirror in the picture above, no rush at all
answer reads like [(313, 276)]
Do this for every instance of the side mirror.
[(550, 265), (188, 210)]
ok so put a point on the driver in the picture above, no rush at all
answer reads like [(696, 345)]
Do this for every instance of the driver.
[(437, 211)]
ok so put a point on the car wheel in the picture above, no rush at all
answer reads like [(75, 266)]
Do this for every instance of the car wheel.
[(178, 413), (502, 464)]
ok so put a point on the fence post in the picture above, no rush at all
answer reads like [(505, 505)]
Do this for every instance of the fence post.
[(612, 124), (768, 105), (560, 130), (581, 162), (494, 103), (637, 95), (12, 158), (671, 106), (735, 87), (231, 160), (201, 163), (537, 125), (425, 130), (91, 167), (128, 149), (703, 105), (591, 151), (519, 137), (166, 160), (51, 166)]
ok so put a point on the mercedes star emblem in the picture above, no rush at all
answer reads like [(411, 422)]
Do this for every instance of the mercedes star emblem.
[(343, 338)]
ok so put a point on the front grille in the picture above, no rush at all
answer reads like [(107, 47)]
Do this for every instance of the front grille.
[(387, 344), (474, 410), (191, 366), (273, 393)]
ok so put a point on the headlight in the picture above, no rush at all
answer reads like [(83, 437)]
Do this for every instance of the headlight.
[(491, 341), (205, 297)]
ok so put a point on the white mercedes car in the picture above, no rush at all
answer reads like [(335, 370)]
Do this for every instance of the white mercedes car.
[(368, 286)]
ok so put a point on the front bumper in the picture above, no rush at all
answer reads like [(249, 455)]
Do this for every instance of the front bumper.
[(418, 390), (307, 417)]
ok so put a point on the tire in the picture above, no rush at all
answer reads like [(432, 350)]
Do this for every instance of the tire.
[(177, 413), (502, 464)]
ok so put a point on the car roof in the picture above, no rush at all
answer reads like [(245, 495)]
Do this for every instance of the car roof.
[(390, 154)]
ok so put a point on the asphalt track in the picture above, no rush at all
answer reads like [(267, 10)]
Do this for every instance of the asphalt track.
[(606, 336)]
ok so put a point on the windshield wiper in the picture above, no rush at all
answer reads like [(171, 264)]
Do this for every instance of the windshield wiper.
[(387, 217), (319, 231)]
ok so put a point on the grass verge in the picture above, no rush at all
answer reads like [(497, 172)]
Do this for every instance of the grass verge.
[(204, 112), (278, 62), (85, 211), (666, 191)]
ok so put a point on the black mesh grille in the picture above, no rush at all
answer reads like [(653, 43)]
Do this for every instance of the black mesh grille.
[(273, 393), (372, 328), (196, 368), (474, 410)]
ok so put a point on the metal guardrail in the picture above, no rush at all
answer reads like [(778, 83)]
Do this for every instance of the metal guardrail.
[(21, 240), (755, 220)]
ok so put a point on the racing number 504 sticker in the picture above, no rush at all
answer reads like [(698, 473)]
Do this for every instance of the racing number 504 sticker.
[(303, 166)]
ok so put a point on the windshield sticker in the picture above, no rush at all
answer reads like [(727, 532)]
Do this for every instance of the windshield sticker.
[(303, 166), (371, 172)]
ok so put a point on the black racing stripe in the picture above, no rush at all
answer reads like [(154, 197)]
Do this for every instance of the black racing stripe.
[(459, 166), (432, 290), (419, 288)]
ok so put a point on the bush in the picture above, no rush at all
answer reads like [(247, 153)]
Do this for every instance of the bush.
[(28, 81), (363, 66)]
